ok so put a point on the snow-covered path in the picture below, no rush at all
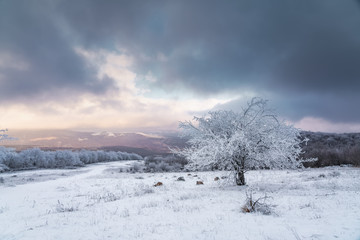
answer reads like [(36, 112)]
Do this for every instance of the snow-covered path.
[(100, 202), (38, 197)]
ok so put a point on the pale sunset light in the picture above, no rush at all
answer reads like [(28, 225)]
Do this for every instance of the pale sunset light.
[(120, 66)]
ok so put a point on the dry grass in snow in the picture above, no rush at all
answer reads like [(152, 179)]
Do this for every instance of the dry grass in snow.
[(101, 202)]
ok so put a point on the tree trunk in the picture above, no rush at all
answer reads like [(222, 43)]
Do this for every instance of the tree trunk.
[(240, 178)]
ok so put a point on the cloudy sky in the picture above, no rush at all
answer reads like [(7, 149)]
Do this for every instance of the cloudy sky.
[(148, 64)]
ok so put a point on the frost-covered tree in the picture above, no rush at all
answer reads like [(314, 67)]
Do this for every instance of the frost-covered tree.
[(64, 158), (254, 138), (3, 135), (33, 157)]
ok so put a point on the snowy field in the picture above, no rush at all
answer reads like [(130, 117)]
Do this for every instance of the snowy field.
[(100, 202)]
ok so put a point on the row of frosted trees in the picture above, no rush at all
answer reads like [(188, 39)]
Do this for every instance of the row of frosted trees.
[(36, 158)]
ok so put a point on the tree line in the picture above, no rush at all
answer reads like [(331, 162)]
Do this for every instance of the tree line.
[(36, 158), (331, 148)]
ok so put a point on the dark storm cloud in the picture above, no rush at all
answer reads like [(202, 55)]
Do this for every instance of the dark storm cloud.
[(34, 35), (303, 54), (291, 49), (333, 108), (303, 44)]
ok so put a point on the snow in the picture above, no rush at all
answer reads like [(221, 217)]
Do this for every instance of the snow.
[(100, 202), (104, 133)]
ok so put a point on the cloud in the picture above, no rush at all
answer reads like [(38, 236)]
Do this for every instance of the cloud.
[(291, 43), (43, 64), (302, 55), (291, 50), (322, 125), (124, 106)]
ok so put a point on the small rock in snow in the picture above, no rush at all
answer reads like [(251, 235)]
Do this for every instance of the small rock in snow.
[(180, 179), (158, 184)]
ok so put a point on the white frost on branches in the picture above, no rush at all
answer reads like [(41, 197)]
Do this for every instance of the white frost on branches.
[(252, 139), (3, 135)]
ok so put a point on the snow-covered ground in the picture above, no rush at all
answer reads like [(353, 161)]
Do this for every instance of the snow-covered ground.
[(100, 202)]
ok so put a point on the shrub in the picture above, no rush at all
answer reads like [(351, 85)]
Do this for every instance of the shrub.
[(33, 158), (60, 207), (66, 158), (353, 156), (136, 167), (256, 205), (3, 168), (164, 163), (11, 159)]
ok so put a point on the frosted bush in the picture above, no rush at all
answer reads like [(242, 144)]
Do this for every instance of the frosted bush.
[(66, 158), (334, 174), (164, 163), (256, 204), (33, 158), (85, 157), (60, 207), (143, 189), (12, 160), (3, 168), (125, 213), (135, 167)]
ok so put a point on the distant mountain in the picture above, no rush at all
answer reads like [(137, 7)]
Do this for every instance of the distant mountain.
[(141, 143), (320, 145)]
